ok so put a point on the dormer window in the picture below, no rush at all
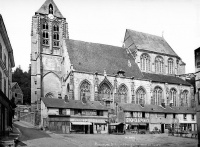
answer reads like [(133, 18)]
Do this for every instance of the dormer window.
[(50, 9), (121, 73)]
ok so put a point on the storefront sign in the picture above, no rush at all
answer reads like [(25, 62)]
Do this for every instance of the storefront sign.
[(87, 120), (138, 120)]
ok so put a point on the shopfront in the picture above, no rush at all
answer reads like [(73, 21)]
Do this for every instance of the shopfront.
[(137, 124), (88, 125)]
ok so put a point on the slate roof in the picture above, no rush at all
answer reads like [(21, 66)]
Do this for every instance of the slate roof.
[(44, 9), (156, 108), (184, 110), (165, 79), (151, 43), (94, 57), (73, 104)]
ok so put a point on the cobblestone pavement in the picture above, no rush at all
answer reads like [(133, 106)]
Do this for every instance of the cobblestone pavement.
[(106, 140)]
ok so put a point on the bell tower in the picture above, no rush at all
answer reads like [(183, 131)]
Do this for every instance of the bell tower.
[(48, 32)]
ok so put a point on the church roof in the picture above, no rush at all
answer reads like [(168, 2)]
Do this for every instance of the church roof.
[(165, 79), (94, 57), (44, 9), (151, 43)]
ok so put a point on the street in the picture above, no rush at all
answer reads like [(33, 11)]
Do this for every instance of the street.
[(33, 137)]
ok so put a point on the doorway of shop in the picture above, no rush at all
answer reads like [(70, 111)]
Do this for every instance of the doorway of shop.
[(162, 128)]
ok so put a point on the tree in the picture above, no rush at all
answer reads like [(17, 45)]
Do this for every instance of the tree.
[(24, 81)]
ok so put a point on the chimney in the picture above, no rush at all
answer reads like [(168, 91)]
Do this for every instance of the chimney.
[(163, 105), (66, 99)]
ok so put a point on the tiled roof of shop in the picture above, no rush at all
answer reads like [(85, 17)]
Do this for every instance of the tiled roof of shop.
[(44, 9), (131, 107), (54, 102), (77, 104), (165, 79), (73, 104), (184, 110), (95, 57), (156, 108), (151, 43)]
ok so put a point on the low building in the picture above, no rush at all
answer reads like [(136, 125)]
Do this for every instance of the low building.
[(74, 116), (149, 117), (17, 93)]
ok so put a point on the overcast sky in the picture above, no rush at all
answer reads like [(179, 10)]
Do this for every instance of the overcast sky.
[(105, 21)]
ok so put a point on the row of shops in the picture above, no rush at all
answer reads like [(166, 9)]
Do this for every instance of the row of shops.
[(93, 117)]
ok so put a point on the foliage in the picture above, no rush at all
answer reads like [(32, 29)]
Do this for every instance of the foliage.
[(24, 81)]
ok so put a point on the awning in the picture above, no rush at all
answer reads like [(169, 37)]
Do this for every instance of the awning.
[(81, 123), (115, 124), (103, 122)]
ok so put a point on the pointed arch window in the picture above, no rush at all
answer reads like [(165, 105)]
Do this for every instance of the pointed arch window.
[(45, 33), (104, 92), (145, 62), (122, 94), (140, 96), (173, 96), (185, 98), (56, 35), (50, 9), (157, 96), (85, 92), (170, 66), (159, 65)]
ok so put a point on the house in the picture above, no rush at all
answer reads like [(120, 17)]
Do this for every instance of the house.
[(17, 93), (6, 65)]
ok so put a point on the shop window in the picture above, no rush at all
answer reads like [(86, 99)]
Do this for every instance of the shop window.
[(143, 114), (174, 115), (192, 116), (99, 113), (60, 111), (77, 112), (15, 94), (165, 115), (184, 116)]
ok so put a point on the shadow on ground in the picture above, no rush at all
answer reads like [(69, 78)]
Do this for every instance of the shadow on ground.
[(30, 133)]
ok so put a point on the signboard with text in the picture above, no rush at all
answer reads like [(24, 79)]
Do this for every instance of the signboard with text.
[(137, 120)]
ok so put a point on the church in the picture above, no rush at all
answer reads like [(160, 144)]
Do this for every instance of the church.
[(68, 75)]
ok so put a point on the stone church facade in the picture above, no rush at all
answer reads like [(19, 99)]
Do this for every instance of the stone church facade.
[(145, 70)]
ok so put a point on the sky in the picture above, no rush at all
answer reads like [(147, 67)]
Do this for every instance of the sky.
[(105, 22)]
